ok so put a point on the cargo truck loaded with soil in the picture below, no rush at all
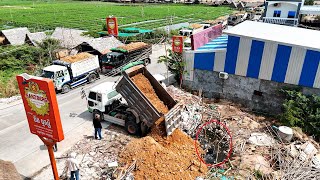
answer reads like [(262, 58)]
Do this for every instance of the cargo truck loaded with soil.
[(72, 71), (146, 102), (138, 51)]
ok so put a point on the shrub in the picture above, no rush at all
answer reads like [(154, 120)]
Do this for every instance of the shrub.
[(302, 111)]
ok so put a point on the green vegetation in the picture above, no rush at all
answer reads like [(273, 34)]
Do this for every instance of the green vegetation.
[(17, 59), (175, 64), (90, 15), (302, 111)]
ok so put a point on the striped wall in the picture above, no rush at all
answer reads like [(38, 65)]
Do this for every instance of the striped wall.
[(264, 60), (272, 61)]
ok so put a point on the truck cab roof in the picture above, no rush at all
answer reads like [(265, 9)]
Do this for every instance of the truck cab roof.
[(54, 68), (103, 87)]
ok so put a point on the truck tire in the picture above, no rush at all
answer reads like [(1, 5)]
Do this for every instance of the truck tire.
[(132, 127), (97, 115), (92, 78), (65, 88), (144, 129)]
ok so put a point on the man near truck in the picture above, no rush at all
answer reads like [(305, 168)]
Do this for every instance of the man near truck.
[(97, 127)]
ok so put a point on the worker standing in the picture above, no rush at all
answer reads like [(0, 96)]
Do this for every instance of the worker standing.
[(73, 166), (97, 127)]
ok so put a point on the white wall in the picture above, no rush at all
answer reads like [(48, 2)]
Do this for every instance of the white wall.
[(284, 8)]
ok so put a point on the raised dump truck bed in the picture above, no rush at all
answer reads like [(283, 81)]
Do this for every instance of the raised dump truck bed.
[(140, 104)]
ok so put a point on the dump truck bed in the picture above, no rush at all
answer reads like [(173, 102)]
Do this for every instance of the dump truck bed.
[(141, 104)]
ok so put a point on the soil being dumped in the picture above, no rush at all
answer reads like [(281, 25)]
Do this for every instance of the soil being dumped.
[(159, 156)]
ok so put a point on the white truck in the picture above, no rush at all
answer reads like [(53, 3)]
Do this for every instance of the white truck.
[(123, 103), (72, 71)]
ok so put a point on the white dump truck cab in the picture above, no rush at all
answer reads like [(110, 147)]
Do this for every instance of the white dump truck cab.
[(101, 98), (59, 75)]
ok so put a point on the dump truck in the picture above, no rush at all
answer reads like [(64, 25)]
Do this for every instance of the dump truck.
[(138, 51), (72, 71), (124, 104)]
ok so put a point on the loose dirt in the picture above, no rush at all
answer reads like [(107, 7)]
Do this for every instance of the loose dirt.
[(146, 88), (77, 57), (8, 171), (159, 156)]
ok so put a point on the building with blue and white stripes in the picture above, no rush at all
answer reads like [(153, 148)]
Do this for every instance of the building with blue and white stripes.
[(265, 52)]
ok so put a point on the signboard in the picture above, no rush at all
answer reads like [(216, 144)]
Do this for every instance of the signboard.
[(112, 25), (203, 37), (40, 103), (177, 44)]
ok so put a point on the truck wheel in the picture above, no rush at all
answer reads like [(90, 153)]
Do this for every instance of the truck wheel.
[(97, 115), (65, 88), (92, 78), (132, 127), (144, 129)]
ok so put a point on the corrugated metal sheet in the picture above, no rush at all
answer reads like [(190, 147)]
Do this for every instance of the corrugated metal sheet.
[(310, 68), (281, 63), (189, 67), (243, 56), (255, 58), (204, 61), (295, 65), (232, 53), (268, 57), (316, 83), (219, 61)]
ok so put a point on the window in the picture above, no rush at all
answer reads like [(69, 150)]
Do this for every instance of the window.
[(276, 13), (99, 97), (112, 94), (92, 95), (90, 103), (291, 14)]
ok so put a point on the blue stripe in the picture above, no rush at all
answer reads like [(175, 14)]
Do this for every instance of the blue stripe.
[(281, 63), (232, 54), (79, 82), (255, 58), (204, 61), (309, 69)]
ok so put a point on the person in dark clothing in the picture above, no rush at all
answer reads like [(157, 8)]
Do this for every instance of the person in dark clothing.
[(97, 128)]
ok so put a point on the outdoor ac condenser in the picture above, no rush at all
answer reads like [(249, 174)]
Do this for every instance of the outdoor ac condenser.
[(223, 75)]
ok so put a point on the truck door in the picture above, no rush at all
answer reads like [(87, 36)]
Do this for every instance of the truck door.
[(95, 101)]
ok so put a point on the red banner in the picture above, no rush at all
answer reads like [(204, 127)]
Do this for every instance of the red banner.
[(112, 25), (40, 103), (177, 44), (203, 37)]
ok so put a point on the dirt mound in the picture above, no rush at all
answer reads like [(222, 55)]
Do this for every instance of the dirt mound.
[(133, 46), (8, 171), (146, 88), (159, 157), (77, 57)]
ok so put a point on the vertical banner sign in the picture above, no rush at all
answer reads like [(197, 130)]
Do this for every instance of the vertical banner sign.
[(40, 103), (177, 44), (112, 25)]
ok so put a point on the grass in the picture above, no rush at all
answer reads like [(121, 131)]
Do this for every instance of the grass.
[(8, 83), (90, 15)]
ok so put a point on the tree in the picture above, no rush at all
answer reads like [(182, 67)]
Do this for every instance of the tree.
[(47, 47), (175, 64)]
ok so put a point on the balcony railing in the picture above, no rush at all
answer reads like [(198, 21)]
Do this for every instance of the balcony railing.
[(282, 21)]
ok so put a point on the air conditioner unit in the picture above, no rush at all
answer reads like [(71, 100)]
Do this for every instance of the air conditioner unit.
[(223, 75), (276, 4)]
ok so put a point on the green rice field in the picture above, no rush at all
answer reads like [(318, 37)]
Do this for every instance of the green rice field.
[(90, 15)]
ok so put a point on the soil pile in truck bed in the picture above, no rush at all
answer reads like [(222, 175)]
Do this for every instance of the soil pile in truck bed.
[(133, 46), (146, 88), (76, 58)]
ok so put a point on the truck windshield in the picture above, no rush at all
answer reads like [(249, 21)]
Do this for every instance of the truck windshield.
[(48, 74)]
